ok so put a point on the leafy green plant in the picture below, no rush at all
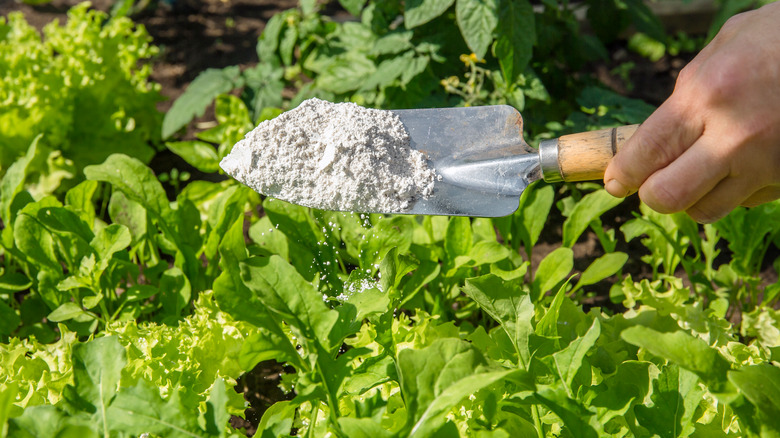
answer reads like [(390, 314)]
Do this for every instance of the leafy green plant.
[(84, 87), (126, 313), (89, 273), (417, 54), (199, 349)]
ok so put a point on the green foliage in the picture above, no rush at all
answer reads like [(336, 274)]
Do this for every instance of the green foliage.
[(126, 313), (442, 53), (83, 88), (393, 326)]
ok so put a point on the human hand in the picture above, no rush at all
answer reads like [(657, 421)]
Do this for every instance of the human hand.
[(715, 143)]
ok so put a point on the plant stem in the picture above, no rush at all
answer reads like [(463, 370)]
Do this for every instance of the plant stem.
[(313, 416), (537, 421)]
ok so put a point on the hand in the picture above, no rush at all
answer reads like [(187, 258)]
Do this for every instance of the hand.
[(715, 143)]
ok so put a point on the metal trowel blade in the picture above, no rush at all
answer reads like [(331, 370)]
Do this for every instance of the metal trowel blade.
[(480, 156)]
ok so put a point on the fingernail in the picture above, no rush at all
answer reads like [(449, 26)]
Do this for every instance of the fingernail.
[(616, 188)]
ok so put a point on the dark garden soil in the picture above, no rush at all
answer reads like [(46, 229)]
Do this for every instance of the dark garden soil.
[(194, 35)]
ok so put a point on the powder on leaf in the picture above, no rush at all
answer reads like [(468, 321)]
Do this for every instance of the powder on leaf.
[(333, 156)]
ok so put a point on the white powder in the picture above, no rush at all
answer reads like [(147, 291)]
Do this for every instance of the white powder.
[(333, 157)]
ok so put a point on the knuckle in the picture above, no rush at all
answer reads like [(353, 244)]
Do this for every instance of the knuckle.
[(656, 152), (704, 215), (733, 23), (686, 75), (661, 198), (727, 79)]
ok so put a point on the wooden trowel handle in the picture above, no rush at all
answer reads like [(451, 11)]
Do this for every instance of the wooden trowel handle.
[(583, 156)]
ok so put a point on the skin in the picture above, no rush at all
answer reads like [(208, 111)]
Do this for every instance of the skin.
[(715, 143)]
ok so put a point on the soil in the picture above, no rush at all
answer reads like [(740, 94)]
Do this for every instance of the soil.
[(198, 34)]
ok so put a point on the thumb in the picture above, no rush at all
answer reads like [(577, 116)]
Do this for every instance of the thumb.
[(663, 137)]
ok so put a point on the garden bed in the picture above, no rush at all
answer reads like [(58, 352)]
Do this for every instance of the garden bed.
[(669, 277)]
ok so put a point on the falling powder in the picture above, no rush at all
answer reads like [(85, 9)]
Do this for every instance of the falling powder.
[(333, 156)]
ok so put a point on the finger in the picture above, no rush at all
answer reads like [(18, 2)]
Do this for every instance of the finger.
[(766, 194), (663, 137), (726, 196), (685, 181)]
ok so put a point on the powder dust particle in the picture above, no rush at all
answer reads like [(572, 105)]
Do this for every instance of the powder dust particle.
[(333, 156)]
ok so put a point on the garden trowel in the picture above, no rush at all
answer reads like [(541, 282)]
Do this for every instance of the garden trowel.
[(485, 164)]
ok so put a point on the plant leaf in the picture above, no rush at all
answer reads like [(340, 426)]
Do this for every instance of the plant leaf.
[(589, 208), (65, 312), (761, 385), (13, 180), (198, 154), (284, 292), (477, 19), (353, 6), (135, 180), (575, 417), (418, 12), (9, 321), (676, 395), (553, 269), (516, 37), (684, 350), (569, 360), (601, 268), (198, 96), (97, 368), (506, 303)]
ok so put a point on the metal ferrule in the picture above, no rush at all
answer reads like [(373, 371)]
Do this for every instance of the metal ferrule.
[(548, 160)]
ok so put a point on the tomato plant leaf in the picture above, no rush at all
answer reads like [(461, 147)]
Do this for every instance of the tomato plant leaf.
[(263, 89), (396, 41), (419, 12), (343, 73), (353, 6), (388, 71), (268, 42), (516, 37), (477, 19)]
